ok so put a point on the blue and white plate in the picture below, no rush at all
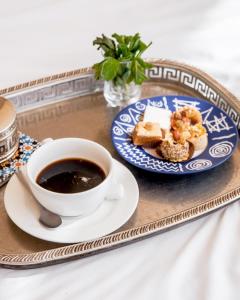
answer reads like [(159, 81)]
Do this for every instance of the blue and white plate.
[(222, 136)]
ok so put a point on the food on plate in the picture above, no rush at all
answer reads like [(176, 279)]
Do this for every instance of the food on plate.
[(185, 116), (198, 137), (158, 115), (174, 135), (182, 123), (170, 150), (147, 134)]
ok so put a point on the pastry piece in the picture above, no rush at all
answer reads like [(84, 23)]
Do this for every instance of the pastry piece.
[(181, 136), (200, 143), (185, 117), (158, 115), (198, 137), (197, 131), (147, 134), (171, 150), (187, 124)]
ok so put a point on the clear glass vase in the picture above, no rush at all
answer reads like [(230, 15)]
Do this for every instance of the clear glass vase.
[(121, 95)]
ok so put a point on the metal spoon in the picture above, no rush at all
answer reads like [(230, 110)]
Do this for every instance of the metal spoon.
[(47, 218)]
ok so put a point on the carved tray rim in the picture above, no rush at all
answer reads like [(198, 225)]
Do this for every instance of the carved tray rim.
[(89, 71), (61, 254)]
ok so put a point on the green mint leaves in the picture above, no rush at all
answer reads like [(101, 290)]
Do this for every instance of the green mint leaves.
[(110, 67), (122, 59)]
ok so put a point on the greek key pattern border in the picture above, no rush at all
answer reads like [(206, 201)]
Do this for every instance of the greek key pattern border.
[(196, 83), (61, 86), (46, 80), (55, 92)]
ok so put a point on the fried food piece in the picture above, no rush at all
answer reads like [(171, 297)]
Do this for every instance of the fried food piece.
[(171, 150), (181, 136), (198, 137), (147, 134), (185, 117), (186, 123), (197, 131)]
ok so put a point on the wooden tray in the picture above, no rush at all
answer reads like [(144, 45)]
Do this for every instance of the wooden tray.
[(165, 201)]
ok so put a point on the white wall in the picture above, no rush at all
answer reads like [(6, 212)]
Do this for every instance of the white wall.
[(44, 37)]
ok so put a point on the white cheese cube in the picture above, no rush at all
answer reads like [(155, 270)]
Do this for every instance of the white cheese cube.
[(158, 115)]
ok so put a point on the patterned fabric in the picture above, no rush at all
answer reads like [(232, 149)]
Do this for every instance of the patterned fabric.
[(26, 147)]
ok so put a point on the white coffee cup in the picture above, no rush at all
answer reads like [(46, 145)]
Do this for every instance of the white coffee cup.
[(71, 204)]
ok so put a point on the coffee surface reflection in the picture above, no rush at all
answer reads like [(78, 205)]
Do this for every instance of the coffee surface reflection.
[(70, 175)]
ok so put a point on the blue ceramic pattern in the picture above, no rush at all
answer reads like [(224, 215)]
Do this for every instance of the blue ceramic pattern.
[(222, 136), (26, 147)]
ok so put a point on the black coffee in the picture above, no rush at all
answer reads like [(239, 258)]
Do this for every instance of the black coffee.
[(71, 175)]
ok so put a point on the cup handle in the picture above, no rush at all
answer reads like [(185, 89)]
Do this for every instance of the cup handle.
[(116, 193)]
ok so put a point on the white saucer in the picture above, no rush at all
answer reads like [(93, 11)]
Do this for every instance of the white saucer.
[(111, 215)]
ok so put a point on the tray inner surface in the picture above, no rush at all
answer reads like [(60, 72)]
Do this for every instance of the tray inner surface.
[(160, 195)]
